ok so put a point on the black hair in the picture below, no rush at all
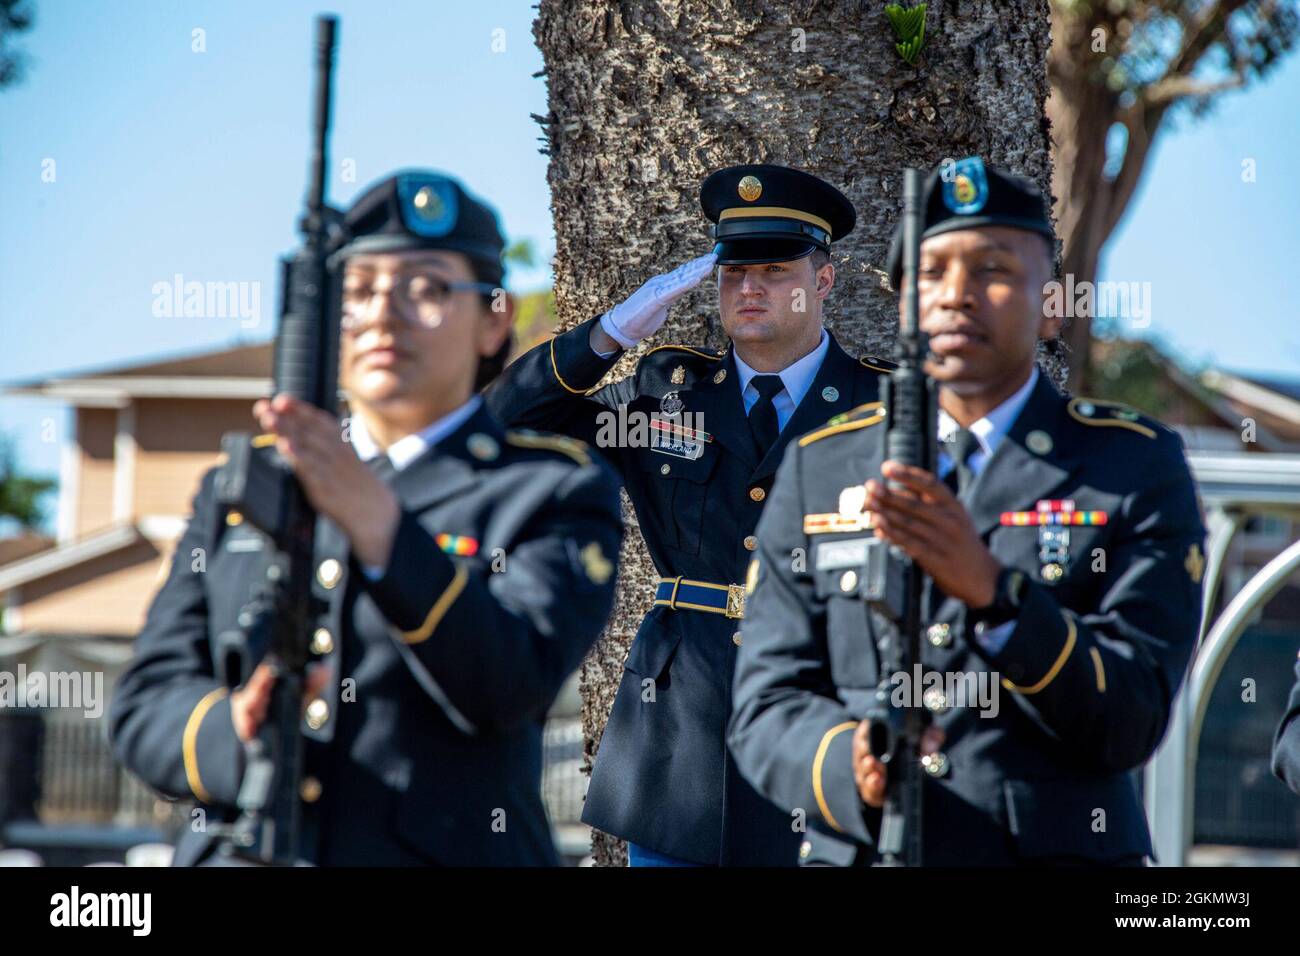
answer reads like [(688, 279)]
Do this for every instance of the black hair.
[(491, 366)]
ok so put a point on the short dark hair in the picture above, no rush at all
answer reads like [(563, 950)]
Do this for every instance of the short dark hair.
[(491, 366), (819, 258)]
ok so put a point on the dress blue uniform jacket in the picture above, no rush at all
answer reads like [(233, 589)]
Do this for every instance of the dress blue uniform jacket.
[(662, 777), (1286, 746), (1085, 680), (500, 578)]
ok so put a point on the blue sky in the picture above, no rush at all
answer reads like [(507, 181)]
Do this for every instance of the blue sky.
[(172, 161)]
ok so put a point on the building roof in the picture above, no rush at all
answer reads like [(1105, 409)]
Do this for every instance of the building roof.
[(243, 371), (66, 556), (1273, 402), (23, 546)]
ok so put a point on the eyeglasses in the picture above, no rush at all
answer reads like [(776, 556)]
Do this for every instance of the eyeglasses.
[(418, 297)]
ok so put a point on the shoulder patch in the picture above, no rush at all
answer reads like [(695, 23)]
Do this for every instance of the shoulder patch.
[(1100, 413), (877, 364), (863, 416), (569, 447)]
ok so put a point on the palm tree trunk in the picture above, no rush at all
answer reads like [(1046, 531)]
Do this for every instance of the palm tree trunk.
[(646, 98)]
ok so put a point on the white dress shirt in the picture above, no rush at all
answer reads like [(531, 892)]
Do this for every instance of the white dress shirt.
[(405, 450), (989, 432), (796, 377)]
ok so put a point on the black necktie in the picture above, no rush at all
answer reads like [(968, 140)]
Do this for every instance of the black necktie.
[(960, 446), (763, 424), (383, 466)]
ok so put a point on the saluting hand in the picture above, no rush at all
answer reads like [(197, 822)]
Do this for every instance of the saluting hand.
[(925, 519), (646, 309), (337, 482)]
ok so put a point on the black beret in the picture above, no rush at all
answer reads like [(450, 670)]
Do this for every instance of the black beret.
[(966, 195), (422, 209), (773, 214)]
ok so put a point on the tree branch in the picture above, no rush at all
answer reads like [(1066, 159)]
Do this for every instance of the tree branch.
[(1166, 91), (1198, 36)]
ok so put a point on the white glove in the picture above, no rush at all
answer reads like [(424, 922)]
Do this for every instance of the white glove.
[(646, 309)]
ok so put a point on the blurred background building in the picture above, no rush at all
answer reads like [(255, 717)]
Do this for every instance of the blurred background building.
[(145, 433)]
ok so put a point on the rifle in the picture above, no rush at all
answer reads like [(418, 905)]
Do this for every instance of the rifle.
[(276, 622), (892, 583)]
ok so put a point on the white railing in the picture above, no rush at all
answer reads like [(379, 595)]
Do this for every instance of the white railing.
[(1233, 487)]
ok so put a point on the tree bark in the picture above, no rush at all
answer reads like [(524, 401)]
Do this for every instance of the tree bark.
[(647, 98)]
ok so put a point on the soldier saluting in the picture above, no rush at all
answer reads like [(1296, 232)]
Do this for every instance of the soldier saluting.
[(1062, 537), (722, 420), (463, 569)]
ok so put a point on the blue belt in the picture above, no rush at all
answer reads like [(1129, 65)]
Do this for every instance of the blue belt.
[(682, 594)]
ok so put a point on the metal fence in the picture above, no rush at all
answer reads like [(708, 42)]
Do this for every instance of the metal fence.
[(79, 781)]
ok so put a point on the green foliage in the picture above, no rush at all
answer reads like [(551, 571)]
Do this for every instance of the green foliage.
[(521, 253), (1132, 373), (909, 27), (20, 494), (1181, 53), (15, 17), (535, 318)]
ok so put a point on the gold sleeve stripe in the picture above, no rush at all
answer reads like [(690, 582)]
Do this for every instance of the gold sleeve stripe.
[(817, 771), (1101, 671), (874, 368), (565, 446), (264, 440), (842, 427), (439, 609), (686, 348), (190, 740), (1071, 637), (559, 378)]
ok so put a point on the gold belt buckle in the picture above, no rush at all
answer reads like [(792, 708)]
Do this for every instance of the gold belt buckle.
[(735, 601)]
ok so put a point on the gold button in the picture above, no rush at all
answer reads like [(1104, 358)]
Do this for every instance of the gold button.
[(757, 494), (1052, 572), (735, 638), (935, 700), (805, 850), (329, 572), (938, 635), (310, 789), (234, 518), (935, 764), (317, 713), (751, 543), (664, 469), (848, 580), (322, 642)]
